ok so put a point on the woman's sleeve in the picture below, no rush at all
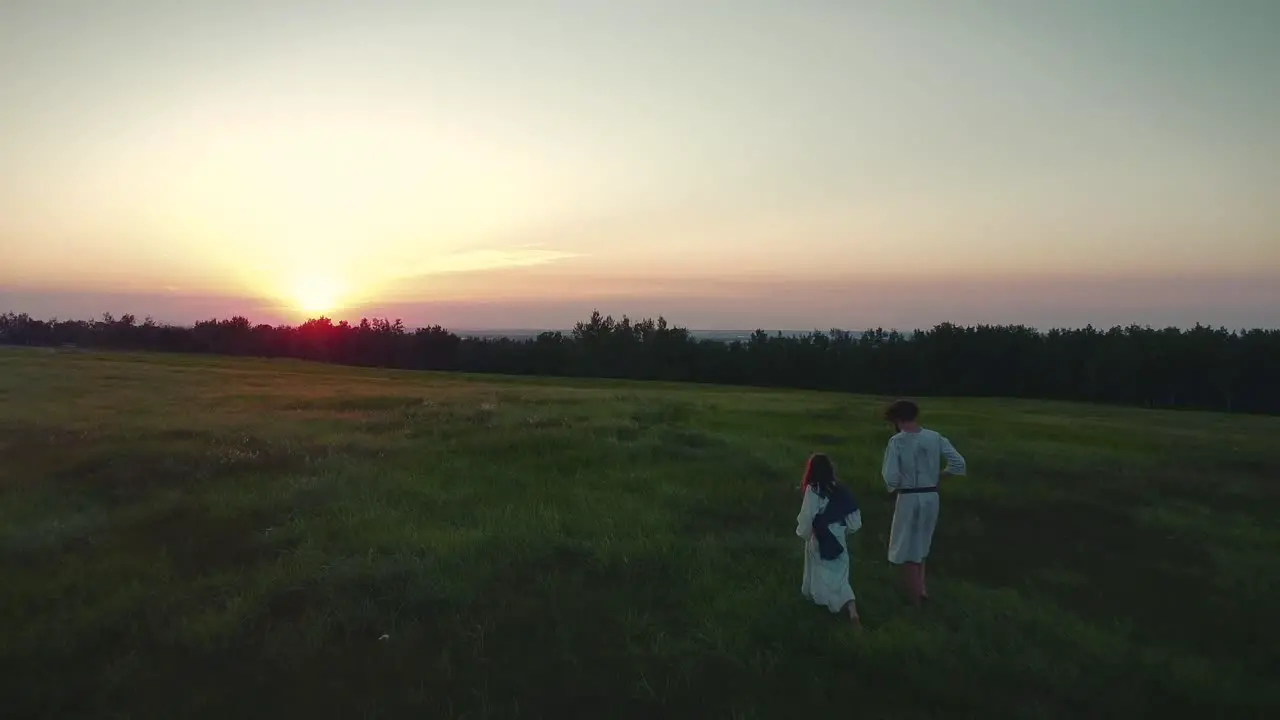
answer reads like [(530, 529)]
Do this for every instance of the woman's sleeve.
[(808, 509), (853, 523)]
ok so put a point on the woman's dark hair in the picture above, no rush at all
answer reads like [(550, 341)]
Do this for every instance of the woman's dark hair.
[(820, 474), (901, 411)]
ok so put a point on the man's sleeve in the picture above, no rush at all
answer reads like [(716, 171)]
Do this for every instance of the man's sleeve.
[(889, 468), (955, 461)]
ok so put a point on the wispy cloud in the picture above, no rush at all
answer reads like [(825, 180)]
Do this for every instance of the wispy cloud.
[(479, 260)]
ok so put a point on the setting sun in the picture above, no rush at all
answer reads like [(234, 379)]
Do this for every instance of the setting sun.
[(316, 294)]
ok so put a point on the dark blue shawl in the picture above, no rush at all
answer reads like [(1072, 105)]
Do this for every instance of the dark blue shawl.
[(841, 504)]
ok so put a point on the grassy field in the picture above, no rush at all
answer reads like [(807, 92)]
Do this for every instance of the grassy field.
[(203, 537)]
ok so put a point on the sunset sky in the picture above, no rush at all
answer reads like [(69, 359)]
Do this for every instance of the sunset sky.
[(727, 163)]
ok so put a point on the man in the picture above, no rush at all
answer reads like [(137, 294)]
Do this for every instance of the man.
[(912, 471)]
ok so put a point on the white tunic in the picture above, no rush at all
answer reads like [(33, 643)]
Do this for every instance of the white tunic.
[(826, 582), (911, 460)]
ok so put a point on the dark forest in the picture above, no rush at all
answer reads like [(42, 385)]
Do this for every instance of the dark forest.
[(1200, 368)]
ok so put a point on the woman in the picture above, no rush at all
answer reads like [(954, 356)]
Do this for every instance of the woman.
[(827, 513)]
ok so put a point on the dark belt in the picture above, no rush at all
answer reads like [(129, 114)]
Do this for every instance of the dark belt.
[(914, 490)]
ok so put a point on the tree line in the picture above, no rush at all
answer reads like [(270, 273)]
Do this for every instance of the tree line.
[(1200, 368)]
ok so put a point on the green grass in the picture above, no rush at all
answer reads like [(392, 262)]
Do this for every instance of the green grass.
[(202, 537)]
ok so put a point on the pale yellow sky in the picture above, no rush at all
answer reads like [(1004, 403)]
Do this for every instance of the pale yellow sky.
[(702, 159)]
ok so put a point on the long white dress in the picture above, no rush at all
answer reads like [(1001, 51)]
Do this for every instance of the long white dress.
[(914, 460), (826, 582)]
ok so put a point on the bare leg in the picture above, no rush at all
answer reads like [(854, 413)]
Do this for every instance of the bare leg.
[(924, 587), (911, 580), (852, 608)]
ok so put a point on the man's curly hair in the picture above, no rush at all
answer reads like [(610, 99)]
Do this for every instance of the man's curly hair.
[(901, 411)]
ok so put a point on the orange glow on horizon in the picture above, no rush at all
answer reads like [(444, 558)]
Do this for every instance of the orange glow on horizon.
[(316, 293)]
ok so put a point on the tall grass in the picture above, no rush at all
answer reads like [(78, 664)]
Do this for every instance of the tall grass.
[(195, 537)]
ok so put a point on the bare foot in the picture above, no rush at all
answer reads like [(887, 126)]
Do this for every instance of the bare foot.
[(853, 615), (853, 618)]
